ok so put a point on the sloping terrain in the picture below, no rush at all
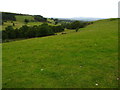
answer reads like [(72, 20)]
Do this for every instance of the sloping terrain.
[(20, 21), (84, 59)]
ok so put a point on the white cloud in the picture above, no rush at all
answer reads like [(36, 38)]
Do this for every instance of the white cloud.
[(63, 8)]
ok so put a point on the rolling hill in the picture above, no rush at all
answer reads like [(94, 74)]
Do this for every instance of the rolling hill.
[(84, 59), (19, 20)]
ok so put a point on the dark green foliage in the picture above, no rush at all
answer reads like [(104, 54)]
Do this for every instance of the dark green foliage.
[(40, 18), (13, 24), (4, 35), (26, 21), (88, 23), (30, 32), (8, 16), (24, 31), (56, 21), (77, 29), (45, 30), (10, 32), (74, 25), (17, 32), (57, 28)]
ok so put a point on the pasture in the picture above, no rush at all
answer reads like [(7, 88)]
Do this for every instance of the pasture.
[(20, 22), (84, 59)]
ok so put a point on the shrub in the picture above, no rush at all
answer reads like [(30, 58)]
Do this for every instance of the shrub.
[(26, 21)]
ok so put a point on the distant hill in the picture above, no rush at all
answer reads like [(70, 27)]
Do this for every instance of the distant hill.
[(9, 18), (83, 18)]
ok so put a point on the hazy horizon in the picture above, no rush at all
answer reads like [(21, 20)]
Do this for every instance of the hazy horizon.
[(63, 8), (53, 17)]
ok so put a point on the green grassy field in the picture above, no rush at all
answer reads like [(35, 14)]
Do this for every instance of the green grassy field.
[(84, 59), (20, 22), (22, 18)]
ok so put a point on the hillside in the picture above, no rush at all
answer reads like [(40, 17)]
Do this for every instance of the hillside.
[(18, 20), (23, 26), (84, 59)]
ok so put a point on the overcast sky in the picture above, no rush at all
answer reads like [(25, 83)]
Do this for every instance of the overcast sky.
[(63, 8)]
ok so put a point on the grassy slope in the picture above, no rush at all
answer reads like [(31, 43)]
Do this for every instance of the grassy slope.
[(22, 18), (20, 22), (94, 48)]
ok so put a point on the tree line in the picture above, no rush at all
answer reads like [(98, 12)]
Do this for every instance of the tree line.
[(40, 18), (74, 25), (39, 31), (11, 17), (8, 16), (30, 32)]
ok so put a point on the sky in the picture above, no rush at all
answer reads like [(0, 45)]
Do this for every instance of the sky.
[(63, 8)]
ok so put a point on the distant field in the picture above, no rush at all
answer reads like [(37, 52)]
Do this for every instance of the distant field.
[(22, 18), (10, 23), (84, 59), (20, 22)]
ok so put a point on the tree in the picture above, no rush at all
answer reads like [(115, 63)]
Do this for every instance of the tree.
[(29, 32), (40, 18), (45, 30), (4, 35), (8, 16), (57, 29), (76, 24), (10, 32), (77, 29), (26, 21), (23, 31), (13, 24), (56, 22)]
